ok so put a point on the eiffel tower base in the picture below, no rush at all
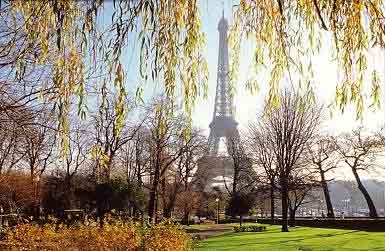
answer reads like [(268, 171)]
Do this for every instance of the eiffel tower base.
[(212, 172)]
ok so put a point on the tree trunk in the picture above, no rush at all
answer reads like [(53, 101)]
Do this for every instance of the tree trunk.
[(284, 195), (240, 220), (151, 205), (169, 207), (67, 192), (369, 201), (167, 212), (272, 204), (329, 205), (153, 196), (101, 214), (292, 218), (186, 218), (235, 181), (156, 217)]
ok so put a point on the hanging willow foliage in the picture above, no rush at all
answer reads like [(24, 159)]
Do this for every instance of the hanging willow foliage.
[(72, 42), (287, 33)]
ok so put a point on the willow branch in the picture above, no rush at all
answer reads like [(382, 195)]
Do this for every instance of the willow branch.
[(319, 15)]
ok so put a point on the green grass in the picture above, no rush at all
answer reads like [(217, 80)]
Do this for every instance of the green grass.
[(299, 238)]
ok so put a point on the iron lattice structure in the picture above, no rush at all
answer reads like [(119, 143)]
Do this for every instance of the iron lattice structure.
[(223, 124)]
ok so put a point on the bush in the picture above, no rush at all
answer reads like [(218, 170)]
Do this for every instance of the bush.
[(165, 236), (35, 237), (249, 228)]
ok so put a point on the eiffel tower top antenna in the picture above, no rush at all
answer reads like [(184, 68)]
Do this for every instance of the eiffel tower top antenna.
[(223, 9)]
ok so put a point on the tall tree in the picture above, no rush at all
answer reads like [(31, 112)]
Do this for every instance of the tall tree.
[(75, 159), (263, 156), (243, 176), (39, 144), (177, 180), (322, 154), (166, 146), (111, 133), (11, 151), (134, 158), (359, 152), (289, 128)]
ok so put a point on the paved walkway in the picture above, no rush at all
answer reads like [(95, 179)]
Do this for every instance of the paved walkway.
[(204, 231)]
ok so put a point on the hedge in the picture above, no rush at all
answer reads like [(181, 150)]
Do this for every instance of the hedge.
[(365, 224)]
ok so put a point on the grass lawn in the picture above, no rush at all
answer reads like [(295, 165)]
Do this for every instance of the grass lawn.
[(299, 238)]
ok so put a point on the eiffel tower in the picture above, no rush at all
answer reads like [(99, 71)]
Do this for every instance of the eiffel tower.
[(223, 124), (213, 169)]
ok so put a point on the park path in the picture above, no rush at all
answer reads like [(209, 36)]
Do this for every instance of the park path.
[(210, 230)]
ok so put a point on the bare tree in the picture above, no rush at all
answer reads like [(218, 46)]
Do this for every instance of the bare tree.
[(322, 155), (359, 152), (15, 126), (243, 176), (134, 159), (264, 158), (177, 180), (11, 151), (39, 144), (75, 159), (289, 128), (111, 133), (166, 146), (301, 184)]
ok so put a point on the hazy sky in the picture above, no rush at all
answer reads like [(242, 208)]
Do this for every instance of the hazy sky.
[(247, 105)]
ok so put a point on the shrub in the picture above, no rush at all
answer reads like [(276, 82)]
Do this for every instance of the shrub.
[(112, 237), (35, 237), (166, 236), (117, 236), (249, 228)]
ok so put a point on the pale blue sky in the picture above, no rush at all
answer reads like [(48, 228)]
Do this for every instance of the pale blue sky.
[(247, 105)]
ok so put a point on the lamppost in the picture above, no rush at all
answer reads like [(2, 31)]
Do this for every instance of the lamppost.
[(36, 180), (1, 219), (217, 200)]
